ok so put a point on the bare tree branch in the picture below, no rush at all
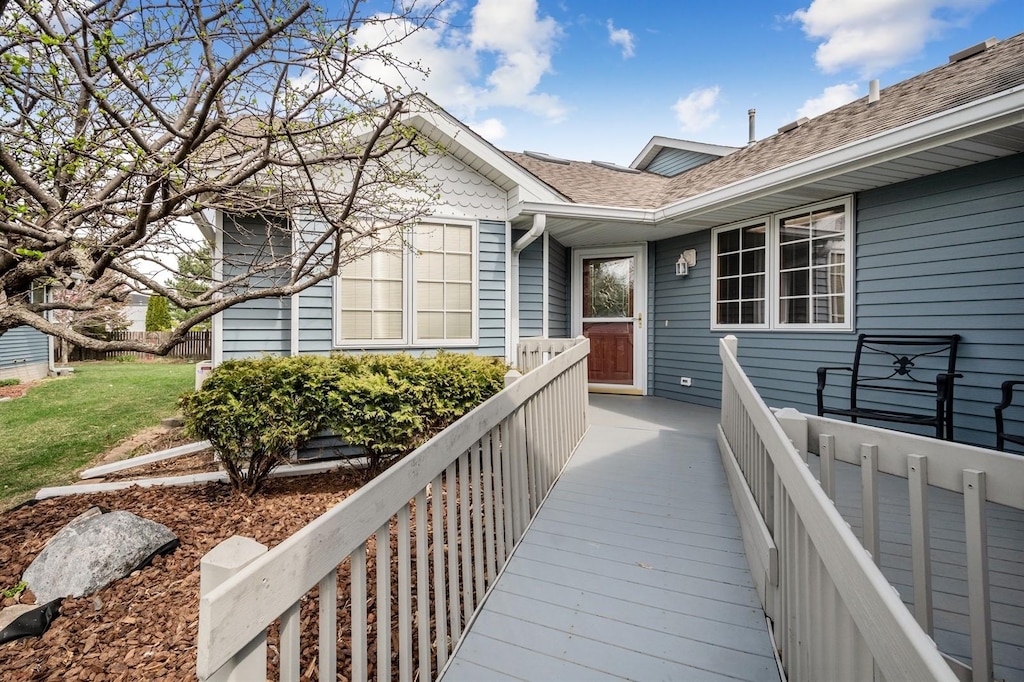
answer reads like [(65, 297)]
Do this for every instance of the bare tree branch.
[(122, 121)]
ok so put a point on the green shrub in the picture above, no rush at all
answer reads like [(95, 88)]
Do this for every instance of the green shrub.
[(256, 413), (9, 382)]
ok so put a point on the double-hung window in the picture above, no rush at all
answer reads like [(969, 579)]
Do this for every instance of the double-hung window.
[(417, 290), (789, 270)]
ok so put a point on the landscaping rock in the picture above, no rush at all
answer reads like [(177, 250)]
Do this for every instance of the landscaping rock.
[(93, 551)]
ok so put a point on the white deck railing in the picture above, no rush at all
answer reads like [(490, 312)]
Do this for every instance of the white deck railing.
[(534, 352), (978, 475), (834, 614), (453, 510)]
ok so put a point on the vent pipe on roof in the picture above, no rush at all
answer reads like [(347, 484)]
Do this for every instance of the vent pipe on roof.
[(873, 92), (751, 115)]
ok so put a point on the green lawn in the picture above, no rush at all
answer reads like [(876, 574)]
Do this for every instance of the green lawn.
[(62, 424)]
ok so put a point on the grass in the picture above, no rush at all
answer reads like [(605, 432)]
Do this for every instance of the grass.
[(62, 424)]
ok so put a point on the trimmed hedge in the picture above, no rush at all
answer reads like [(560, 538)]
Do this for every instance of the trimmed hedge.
[(256, 413)]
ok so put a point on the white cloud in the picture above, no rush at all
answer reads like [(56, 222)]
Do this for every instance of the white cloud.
[(832, 97), (490, 129), (874, 35), (522, 44), (621, 37), (506, 33), (696, 111)]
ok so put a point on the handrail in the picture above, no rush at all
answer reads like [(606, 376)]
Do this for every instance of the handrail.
[(471, 489), (834, 613)]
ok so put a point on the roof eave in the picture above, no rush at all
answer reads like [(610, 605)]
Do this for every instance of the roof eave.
[(985, 115), (584, 212)]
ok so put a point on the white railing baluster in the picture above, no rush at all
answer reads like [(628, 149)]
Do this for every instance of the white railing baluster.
[(357, 588), (465, 537), (827, 476), (383, 602), (328, 645), (440, 598), (478, 518), (920, 540), (869, 500), (978, 605), (499, 497), (534, 450), (508, 487), (452, 512), (290, 646), (489, 532), (404, 596), (422, 585)]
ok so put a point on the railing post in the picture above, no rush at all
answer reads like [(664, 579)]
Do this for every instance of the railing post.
[(795, 426), (219, 564)]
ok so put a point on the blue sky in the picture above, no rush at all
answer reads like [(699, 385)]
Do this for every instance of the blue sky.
[(596, 79)]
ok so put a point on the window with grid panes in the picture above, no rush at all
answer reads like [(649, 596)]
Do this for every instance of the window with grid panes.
[(420, 292), (371, 296), (740, 280), (787, 270), (444, 282)]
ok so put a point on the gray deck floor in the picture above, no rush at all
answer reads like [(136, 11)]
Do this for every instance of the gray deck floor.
[(633, 568)]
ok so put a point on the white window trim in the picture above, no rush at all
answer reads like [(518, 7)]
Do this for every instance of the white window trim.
[(772, 221), (409, 338)]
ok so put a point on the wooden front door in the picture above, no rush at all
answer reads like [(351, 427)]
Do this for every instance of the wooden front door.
[(610, 315)]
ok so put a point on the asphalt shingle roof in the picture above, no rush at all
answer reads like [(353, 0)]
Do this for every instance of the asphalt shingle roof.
[(943, 88)]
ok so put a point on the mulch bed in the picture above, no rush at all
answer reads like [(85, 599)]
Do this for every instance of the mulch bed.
[(145, 626)]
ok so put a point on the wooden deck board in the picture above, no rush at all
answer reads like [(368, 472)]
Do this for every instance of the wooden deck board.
[(634, 566)]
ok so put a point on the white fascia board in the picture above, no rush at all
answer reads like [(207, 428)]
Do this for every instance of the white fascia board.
[(440, 121), (992, 113), (584, 211)]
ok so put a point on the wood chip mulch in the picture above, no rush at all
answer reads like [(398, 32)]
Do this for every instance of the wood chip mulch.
[(144, 626)]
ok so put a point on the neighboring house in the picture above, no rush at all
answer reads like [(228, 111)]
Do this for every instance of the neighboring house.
[(904, 214), (135, 312), (25, 352)]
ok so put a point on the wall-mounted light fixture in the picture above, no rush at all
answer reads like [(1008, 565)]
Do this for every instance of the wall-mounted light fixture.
[(687, 259)]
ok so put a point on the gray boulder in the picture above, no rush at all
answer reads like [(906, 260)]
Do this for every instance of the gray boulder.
[(93, 551)]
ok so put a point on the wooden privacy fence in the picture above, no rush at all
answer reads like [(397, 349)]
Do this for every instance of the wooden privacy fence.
[(408, 558), (195, 346), (834, 615)]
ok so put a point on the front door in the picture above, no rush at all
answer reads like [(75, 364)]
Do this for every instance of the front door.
[(609, 310)]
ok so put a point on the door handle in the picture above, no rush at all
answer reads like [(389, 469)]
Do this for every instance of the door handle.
[(640, 321)]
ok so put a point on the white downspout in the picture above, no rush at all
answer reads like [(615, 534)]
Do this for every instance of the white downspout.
[(545, 311), (539, 223)]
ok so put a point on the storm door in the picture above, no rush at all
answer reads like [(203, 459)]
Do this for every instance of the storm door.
[(609, 310)]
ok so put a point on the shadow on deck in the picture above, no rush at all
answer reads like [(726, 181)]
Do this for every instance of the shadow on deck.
[(633, 568)]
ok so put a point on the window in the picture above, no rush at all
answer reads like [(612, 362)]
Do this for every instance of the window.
[(419, 290), (785, 271)]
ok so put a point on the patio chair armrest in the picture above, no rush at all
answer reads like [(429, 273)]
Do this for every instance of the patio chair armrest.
[(822, 379), (1007, 389)]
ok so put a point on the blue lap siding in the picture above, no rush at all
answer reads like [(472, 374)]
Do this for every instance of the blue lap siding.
[(24, 353), (936, 255)]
